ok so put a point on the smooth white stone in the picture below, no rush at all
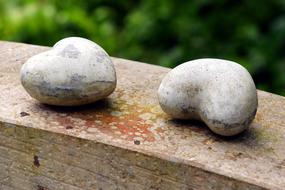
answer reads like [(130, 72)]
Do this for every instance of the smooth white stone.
[(220, 93), (75, 71)]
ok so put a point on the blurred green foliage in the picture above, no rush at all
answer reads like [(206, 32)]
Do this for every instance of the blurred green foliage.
[(162, 32)]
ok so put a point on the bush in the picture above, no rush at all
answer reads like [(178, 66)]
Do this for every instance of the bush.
[(162, 32)]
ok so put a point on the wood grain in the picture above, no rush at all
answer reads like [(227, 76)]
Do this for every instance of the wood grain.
[(126, 141)]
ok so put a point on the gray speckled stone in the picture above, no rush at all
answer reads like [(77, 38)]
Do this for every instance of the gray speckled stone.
[(220, 93), (75, 71)]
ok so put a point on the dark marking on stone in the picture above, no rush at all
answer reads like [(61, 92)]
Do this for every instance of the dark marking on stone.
[(23, 114), (64, 91), (77, 79), (100, 56), (70, 51), (193, 91), (246, 122), (187, 109), (72, 89), (104, 81), (36, 161), (137, 142)]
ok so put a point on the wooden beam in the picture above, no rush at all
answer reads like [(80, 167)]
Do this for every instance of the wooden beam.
[(126, 141)]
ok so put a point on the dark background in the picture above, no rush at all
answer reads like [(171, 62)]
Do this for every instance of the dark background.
[(162, 32)]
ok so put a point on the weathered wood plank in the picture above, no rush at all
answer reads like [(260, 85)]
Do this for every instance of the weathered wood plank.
[(126, 141)]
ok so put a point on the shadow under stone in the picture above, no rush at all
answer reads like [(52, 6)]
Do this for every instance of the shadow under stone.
[(247, 136), (194, 125), (100, 105)]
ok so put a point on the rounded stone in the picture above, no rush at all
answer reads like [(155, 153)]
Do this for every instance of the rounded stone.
[(75, 71), (218, 92)]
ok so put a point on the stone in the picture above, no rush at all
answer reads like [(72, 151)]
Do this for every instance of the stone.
[(218, 92), (75, 71)]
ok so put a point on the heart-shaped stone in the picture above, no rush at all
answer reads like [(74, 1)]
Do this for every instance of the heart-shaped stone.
[(75, 71), (218, 92)]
